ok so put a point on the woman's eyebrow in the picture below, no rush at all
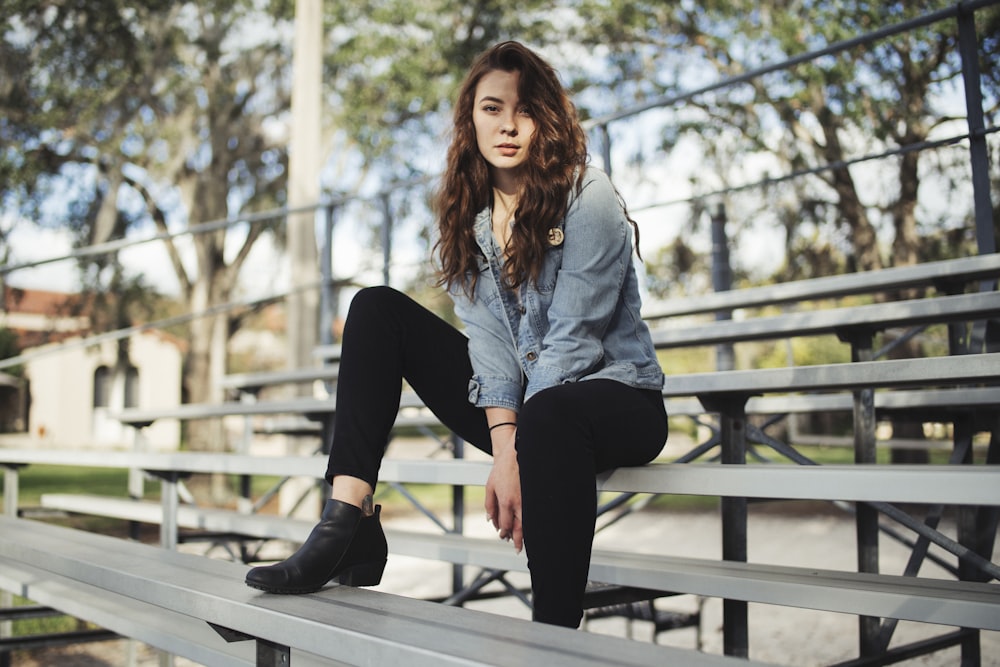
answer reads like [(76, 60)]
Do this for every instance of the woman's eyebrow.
[(489, 98)]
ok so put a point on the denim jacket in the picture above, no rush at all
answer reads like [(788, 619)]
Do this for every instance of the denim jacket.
[(580, 322)]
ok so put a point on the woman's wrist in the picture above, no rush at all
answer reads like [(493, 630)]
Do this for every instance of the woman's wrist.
[(508, 425), (502, 441)]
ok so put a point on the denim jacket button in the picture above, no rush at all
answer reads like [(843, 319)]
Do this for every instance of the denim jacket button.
[(523, 310), (531, 356)]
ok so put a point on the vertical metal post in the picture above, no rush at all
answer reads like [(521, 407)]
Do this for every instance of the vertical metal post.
[(169, 504), (722, 281), (732, 436), (244, 503), (866, 525), (10, 495), (137, 477), (270, 654), (458, 515), (969, 535), (328, 293), (386, 238), (968, 46), (168, 532), (605, 147), (10, 490)]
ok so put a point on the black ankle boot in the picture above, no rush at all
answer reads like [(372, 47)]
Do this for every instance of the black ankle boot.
[(344, 545)]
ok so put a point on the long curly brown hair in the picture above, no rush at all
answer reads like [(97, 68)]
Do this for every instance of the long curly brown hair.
[(556, 163)]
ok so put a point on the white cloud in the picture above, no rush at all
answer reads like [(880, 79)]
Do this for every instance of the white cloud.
[(29, 243)]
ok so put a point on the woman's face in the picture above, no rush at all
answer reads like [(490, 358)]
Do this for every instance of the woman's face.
[(503, 125)]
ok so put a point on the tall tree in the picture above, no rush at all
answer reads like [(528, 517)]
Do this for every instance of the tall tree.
[(887, 95), (159, 113), (114, 116)]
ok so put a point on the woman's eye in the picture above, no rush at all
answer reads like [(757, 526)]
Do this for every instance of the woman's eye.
[(491, 108), (525, 111)]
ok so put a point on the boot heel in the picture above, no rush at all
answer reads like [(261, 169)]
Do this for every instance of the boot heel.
[(363, 574)]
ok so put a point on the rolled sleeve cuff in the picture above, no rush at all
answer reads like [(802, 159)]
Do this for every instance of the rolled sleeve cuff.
[(495, 392)]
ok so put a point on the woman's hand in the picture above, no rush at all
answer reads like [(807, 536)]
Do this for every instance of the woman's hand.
[(503, 488)]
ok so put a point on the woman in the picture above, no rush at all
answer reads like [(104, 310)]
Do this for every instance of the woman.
[(557, 377)]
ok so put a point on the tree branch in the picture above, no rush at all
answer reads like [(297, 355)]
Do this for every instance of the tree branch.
[(160, 220)]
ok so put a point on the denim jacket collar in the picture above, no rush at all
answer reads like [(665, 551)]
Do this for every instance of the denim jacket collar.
[(483, 230)]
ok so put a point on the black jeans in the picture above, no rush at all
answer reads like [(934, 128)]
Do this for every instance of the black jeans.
[(566, 435)]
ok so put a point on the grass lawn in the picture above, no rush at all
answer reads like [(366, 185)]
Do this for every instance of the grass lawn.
[(34, 480)]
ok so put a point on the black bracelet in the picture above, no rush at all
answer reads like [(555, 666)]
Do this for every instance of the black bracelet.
[(514, 424)]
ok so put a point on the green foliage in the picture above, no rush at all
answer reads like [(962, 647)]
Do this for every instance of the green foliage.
[(9, 348), (45, 625), (687, 360), (871, 98), (110, 102), (804, 352)]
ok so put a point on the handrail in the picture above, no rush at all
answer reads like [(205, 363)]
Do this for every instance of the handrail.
[(214, 225), (847, 44)]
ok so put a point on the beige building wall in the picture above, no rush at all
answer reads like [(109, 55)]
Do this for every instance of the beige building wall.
[(63, 414)]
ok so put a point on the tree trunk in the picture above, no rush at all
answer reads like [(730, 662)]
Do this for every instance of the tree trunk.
[(863, 237), (905, 246), (206, 357)]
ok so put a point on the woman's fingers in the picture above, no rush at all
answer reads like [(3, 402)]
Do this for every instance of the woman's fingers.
[(491, 508), (518, 535), (510, 527)]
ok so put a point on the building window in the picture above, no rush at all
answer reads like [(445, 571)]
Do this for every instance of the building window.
[(132, 387), (102, 387)]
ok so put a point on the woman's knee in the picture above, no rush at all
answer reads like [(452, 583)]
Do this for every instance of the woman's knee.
[(375, 308), (373, 299)]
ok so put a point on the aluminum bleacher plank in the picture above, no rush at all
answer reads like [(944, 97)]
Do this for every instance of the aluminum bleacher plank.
[(209, 462), (966, 269), (947, 602), (355, 626), (922, 484), (816, 322), (944, 484), (939, 371), (169, 631), (194, 518), (313, 466), (927, 600), (265, 378), (185, 411), (905, 399)]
